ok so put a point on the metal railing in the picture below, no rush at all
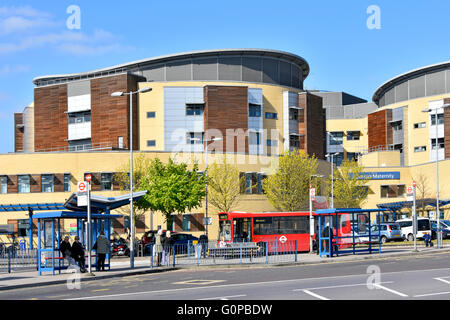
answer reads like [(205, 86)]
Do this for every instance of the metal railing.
[(211, 253), (12, 260)]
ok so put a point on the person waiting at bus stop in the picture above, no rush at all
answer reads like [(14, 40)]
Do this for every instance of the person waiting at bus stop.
[(78, 254), (66, 249), (328, 241), (102, 247)]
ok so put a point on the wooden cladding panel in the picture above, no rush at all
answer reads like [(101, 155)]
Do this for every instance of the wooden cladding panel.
[(18, 132), (379, 129), (58, 182), (226, 107), (35, 183), (312, 125), (50, 119)]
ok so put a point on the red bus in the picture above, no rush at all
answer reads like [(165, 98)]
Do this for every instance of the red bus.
[(275, 226)]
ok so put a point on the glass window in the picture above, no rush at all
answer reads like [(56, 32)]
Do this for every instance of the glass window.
[(186, 222), (4, 184), (271, 115), (440, 117), (440, 141), (79, 117), (420, 125), (254, 110), (47, 183), (151, 143), (293, 114), (420, 149), (24, 184), (336, 138), (151, 114), (352, 156), (260, 178), (107, 181), (423, 224), (22, 227), (194, 109), (195, 137), (353, 135), (272, 143), (397, 126), (254, 138), (67, 182)]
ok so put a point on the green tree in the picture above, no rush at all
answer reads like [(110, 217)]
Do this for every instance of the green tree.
[(350, 190), (172, 188), (288, 188), (224, 186)]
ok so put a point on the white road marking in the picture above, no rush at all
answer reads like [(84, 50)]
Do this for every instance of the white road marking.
[(443, 280), (224, 298), (339, 286), (315, 295), (431, 294), (389, 290)]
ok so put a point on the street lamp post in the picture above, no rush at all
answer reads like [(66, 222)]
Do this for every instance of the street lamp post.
[(332, 177), (120, 94), (438, 214), (206, 176), (311, 219)]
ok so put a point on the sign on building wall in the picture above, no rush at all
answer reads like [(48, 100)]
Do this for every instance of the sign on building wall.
[(395, 175)]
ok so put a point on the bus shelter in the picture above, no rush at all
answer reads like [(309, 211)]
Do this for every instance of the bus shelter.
[(50, 236), (344, 231)]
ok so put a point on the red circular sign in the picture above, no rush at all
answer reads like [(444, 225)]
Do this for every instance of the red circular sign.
[(283, 239), (88, 178), (81, 187), (414, 184)]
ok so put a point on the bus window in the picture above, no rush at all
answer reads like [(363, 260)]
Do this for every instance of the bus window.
[(225, 230), (262, 226), (242, 228)]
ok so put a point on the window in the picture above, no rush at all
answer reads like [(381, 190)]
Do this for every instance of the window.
[(80, 117), (67, 182), (353, 135), (392, 191), (440, 119), (194, 137), (397, 126), (80, 145), (352, 156), (4, 184), (194, 109), (440, 141), (107, 181), (420, 149), (120, 142), (22, 227), (294, 141), (420, 125), (186, 225), (254, 110), (47, 183), (272, 143), (260, 178), (151, 114), (272, 115), (151, 143), (254, 138), (293, 114), (280, 225), (337, 159), (336, 138), (24, 184)]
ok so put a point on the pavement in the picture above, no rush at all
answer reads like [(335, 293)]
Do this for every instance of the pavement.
[(120, 267)]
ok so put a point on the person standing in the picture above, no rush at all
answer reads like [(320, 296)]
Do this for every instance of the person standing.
[(158, 247), (102, 247), (78, 254), (168, 243)]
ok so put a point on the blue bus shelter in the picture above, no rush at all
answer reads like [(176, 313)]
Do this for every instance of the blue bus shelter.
[(343, 230), (50, 236)]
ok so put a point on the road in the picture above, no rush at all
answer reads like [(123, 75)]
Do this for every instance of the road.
[(421, 277)]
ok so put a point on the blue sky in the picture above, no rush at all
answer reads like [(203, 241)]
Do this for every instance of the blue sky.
[(343, 53)]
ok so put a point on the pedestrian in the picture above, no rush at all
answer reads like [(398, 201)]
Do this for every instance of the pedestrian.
[(78, 254), (203, 241), (66, 249), (102, 247), (158, 247), (316, 240), (168, 243), (427, 239)]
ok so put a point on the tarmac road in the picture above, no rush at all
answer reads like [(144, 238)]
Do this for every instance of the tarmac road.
[(425, 276)]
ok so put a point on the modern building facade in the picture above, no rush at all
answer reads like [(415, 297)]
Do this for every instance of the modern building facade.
[(253, 100)]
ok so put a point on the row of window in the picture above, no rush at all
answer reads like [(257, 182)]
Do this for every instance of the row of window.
[(80, 117), (25, 181), (337, 138)]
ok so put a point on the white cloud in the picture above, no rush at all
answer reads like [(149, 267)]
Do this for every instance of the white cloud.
[(25, 28), (8, 69)]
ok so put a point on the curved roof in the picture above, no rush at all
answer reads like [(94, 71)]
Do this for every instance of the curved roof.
[(407, 75), (301, 62)]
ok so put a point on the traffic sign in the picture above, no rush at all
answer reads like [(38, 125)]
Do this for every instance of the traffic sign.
[(312, 193), (82, 186), (410, 193), (88, 177), (283, 239)]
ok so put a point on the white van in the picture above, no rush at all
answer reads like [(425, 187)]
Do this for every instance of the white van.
[(423, 227)]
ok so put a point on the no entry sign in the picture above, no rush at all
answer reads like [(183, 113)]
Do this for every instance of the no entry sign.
[(82, 186)]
